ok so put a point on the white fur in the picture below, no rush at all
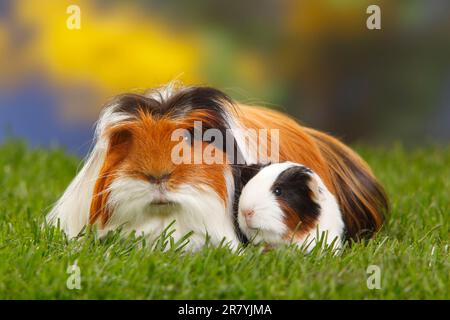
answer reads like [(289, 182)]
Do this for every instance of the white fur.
[(198, 209), (266, 224), (71, 211)]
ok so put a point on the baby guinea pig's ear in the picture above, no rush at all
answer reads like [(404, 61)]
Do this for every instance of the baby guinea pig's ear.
[(316, 188)]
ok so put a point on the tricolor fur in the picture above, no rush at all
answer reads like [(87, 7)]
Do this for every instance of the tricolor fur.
[(129, 180), (287, 203)]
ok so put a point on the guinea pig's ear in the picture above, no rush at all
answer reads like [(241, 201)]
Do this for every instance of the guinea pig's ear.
[(120, 136), (317, 192), (247, 172)]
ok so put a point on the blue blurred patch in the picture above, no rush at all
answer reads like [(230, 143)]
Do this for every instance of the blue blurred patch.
[(30, 112)]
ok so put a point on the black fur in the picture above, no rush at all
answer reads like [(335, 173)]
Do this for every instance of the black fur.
[(295, 192), (185, 100), (247, 172), (242, 174), (181, 103)]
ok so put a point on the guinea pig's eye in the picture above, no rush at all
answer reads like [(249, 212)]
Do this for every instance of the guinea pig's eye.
[(187, 137), (277, 191)]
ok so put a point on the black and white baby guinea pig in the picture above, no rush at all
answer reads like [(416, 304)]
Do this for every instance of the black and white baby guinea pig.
[(287, 202)]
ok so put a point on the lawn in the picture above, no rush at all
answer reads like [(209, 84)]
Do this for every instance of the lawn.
[(411, 250)]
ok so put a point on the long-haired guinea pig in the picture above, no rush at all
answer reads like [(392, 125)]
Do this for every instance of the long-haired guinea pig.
[(132, 181), (288, 202)]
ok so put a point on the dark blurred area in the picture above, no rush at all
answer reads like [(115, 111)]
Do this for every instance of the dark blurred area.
[(317, 60)]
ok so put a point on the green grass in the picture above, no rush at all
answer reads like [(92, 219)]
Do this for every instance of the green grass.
[(411, 250)]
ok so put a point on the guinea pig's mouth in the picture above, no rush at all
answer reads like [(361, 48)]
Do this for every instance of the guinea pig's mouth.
[(162, 203), (161, 199)]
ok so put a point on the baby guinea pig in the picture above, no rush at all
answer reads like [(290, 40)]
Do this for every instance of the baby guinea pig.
[(287, 202)]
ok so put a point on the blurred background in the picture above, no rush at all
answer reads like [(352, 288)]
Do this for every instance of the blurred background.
[(314, 59)]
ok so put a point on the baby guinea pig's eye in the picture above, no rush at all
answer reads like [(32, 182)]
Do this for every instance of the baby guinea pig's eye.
[(277, 191)]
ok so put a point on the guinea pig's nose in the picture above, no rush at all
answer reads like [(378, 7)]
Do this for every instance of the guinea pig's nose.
[(158, 179), (248, 213)]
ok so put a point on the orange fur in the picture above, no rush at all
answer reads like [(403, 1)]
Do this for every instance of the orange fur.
[(360, 196), (298, 228), (295, 144), (117, 151), (147, 151)]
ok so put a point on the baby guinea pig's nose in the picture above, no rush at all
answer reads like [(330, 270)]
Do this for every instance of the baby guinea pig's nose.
[(248, 213)]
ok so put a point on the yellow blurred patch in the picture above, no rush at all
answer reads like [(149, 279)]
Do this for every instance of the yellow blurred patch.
[(116, 49)]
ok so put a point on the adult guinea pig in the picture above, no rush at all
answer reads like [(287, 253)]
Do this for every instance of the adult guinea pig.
[(133, 179), (287, 202)]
